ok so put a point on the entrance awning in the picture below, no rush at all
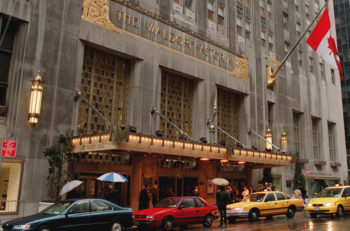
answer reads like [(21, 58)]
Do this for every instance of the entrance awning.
[(154, 145)]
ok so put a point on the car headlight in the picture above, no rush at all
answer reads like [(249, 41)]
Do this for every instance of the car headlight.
[(239, 209), (149, 217), (330, 204), (309, 205), (21, 227)]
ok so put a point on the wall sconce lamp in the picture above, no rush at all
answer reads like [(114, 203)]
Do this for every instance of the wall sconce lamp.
[(284, 142), (36, 95), (268, 138)]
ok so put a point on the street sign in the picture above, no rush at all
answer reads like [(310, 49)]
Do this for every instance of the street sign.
[(8, 148)]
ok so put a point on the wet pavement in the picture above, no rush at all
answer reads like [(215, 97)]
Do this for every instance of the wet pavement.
[(300, 222)]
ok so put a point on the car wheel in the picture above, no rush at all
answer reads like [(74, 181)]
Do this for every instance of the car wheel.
[(167, 223), (44, 228), (253, 215), (208, 220), (313, 215), (116, 227), (340, 211), (290, 212)]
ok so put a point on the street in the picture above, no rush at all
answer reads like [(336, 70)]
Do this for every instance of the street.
[(301, 221)]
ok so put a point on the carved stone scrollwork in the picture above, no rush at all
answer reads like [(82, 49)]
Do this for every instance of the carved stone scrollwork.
[(97, 12), (241, 69)]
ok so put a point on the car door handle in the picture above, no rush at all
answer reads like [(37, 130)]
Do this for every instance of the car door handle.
[(197, 211)]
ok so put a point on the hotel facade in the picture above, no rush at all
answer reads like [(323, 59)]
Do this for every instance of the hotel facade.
[(205, 66)]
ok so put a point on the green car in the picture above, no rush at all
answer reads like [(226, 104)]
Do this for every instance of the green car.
[(76, 214)]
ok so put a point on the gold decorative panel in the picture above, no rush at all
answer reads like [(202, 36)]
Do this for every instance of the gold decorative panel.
[(105, 84), (97, 12), (176, 104), (228, 115)]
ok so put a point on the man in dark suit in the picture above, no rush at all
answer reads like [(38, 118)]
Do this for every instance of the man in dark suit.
[(221, 202), (144, 198)]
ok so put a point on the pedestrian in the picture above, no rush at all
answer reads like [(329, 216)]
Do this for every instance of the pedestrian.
[(272, 188), (144, 198), (251, 189), (154, 194), (221, 202), (303, 195), (297, 194), (109, 193), (238, 196), (73, 194), (245, 192), (195, 191), (261, 188), (230, 194)]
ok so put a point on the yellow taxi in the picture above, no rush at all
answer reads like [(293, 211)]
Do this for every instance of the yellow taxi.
[(331, 200), (267, 203)]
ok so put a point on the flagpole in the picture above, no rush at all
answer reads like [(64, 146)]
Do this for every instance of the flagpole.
[(297, 42)]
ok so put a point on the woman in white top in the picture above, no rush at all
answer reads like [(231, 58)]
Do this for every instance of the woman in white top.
[(245, 192)]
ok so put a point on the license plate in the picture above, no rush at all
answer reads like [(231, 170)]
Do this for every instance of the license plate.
[(316, 209), (137, 223)]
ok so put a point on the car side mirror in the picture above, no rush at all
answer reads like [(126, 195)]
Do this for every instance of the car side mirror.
[(70, 211), (181, 207)]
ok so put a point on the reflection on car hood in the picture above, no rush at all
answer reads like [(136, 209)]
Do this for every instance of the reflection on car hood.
[(324, 200), (28, 219), (243, 204), (152, 211)]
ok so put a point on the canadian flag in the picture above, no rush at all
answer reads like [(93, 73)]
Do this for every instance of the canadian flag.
[(323, 43)]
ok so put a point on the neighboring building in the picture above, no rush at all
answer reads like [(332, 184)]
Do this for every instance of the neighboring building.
[(181, 57), (342, 15)]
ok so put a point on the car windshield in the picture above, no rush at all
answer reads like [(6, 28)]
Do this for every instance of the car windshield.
[(330, 192), (56, 208), (255, 197), (167, 203)]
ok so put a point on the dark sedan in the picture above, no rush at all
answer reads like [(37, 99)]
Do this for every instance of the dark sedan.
[(70, 215)]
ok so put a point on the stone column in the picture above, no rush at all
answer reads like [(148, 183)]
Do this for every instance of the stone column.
[(135, 181)]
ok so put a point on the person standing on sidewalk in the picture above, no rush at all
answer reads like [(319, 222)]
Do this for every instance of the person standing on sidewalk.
[(221, 202)]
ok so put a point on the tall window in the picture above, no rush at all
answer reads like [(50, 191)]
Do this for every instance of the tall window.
[(315, 139), (228, 115), (5, 57), (322, 70), (105, 84), (296, 133), (332, 76), (210, 10), (10, 182), (285, 20), (311, 64), (176, 104), (300, 57), (270, 114), (331, 141)]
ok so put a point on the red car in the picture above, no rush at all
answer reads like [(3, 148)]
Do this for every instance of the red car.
[(176, 211)]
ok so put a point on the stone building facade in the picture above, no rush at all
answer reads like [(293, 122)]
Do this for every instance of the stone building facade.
[(181, 57)]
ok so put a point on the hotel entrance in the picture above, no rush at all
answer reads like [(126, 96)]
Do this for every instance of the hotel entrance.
[(176, 186)]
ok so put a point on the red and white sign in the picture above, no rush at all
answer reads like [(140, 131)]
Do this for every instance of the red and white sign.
[(323, 42), (8, 148)]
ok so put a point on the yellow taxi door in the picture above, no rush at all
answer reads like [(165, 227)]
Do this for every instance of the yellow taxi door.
[(282, 203), (346, 199), (270, 205)]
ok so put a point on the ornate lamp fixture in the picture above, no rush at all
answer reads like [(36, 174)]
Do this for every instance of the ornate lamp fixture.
[(284, 142), (36, 95), (268, 138)]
